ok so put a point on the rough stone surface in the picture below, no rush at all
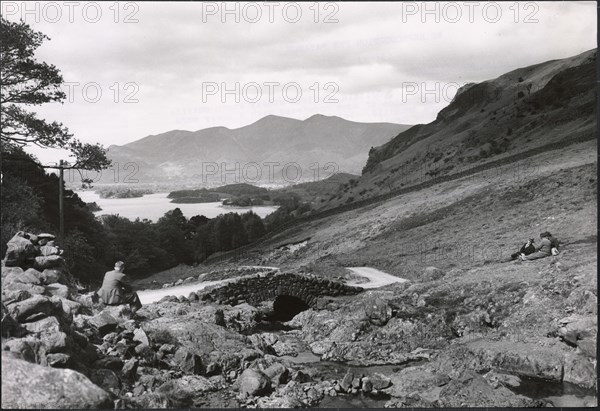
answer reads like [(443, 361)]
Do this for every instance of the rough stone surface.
[(254, 382), (26, 385)]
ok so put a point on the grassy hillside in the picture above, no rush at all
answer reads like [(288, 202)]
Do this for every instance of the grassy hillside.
[(522, 110)]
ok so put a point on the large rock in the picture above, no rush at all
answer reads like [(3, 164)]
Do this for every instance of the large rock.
[(30, 276), (10, 327), (140, 336), (51, 275), (183, 391), (50, 331), (130, 367), (6, 271), (104, 322), (27, 385), (22, 347), (278, 374), (24, 310), (254, 382), (59, 290), (188, 361), (378, 311), (579, 370)]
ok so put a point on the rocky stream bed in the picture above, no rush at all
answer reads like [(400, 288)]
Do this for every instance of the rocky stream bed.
[(440, 342)]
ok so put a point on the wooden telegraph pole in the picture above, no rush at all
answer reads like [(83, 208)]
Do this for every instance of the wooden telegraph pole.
[(61, 208)]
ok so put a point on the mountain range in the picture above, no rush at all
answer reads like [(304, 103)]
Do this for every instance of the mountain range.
[(270, 143)]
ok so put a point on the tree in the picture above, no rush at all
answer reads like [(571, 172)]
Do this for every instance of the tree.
[(28, 82)]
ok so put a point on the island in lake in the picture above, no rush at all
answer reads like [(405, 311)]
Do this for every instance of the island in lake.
[(240, 195), (122, 193)]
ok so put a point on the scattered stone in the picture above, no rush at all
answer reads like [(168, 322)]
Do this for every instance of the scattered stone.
[(367, 385), (182, 391), (104, 322), (58, 360), (278, 374), (22, 348), (188, 361), (379, 381), (23, 310), (140, 336), (378, 311), (346, 383), (254, 382), (130, 367), (59, 290)]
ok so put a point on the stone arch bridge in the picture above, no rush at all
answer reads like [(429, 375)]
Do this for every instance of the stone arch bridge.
[(253, 290)]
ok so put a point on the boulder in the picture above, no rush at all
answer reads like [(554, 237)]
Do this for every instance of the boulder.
[(50, 332), (30, 276), (140, 336), (22, 348), (129, 369), (58, 360), (30, 288), (104, 322), (346, 383), (188, 361), (254, 382), (13, 296), (379, 381), (579, 370), (59, 290), (52, 275), (6, 271), (278, 374), (26, 309), (10, 327), (367, 385), (378, 311), (27, 385), (183, 391)]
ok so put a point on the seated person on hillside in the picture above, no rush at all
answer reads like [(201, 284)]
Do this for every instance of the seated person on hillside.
[(117, 290), (544, 249), (526, 249)]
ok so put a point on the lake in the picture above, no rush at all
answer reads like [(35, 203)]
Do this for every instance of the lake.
[(154, 206)]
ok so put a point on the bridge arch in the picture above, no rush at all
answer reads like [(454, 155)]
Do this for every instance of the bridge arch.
[(259, 288)]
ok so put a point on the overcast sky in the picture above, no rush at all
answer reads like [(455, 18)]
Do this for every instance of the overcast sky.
[(369, 62)]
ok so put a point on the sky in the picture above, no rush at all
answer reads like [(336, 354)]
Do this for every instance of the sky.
[(136, 69)]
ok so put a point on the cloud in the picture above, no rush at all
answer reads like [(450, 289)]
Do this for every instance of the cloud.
[(370, 53)]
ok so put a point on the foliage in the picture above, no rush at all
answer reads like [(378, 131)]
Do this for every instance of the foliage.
[(28, 82)]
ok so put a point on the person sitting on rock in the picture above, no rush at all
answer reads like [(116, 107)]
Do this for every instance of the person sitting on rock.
[(544, 249), (526, 249), (116, 289)]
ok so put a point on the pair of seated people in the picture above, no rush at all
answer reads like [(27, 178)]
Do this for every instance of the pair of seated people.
[(547, 247)]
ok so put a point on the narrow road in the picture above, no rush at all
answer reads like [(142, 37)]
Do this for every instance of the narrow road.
[(376, 278)]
